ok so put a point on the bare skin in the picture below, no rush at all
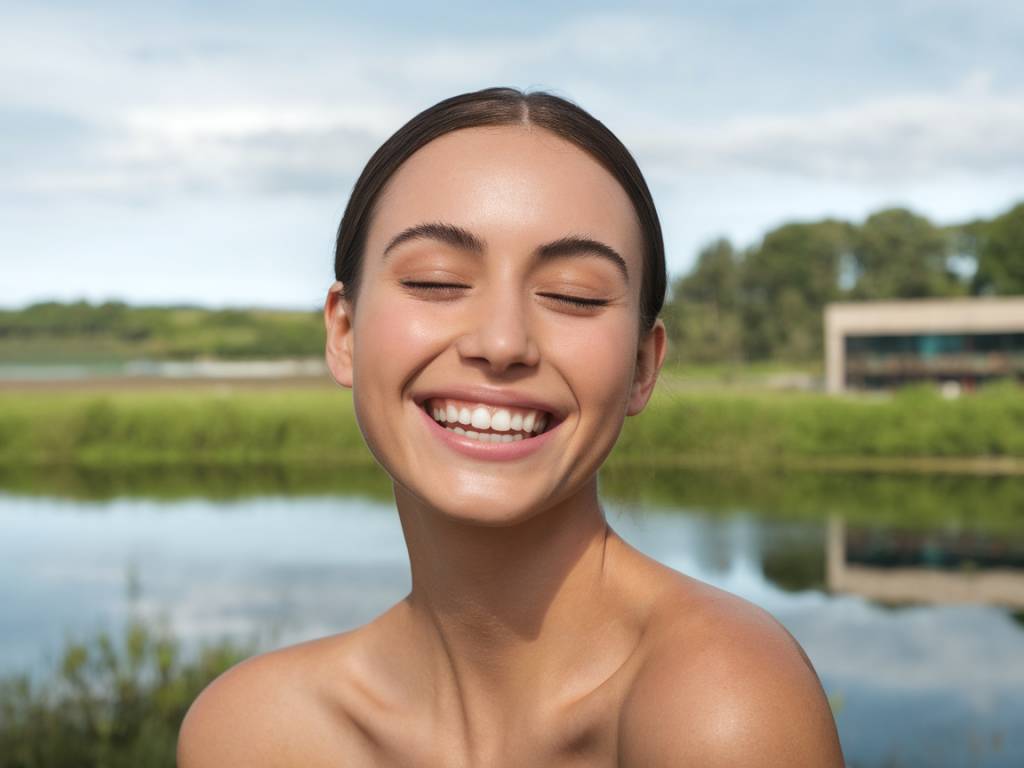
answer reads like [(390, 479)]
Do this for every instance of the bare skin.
[(533, 634)]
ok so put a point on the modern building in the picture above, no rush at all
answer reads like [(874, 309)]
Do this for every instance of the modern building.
[(883, 344)]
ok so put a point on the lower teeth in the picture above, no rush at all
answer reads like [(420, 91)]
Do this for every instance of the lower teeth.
[(485, 437)]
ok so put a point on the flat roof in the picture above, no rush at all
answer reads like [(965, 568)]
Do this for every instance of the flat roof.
[(961, 314)]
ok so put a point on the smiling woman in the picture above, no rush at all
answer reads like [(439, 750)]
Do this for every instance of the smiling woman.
[(500, 271)]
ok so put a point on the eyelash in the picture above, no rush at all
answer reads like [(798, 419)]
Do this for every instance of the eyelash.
[(449, 288)]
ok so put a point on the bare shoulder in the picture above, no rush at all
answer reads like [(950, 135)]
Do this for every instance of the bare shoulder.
[(267, 710), (723, 683)]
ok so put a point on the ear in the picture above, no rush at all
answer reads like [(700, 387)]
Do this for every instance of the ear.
[(338, 323), (649, 358)]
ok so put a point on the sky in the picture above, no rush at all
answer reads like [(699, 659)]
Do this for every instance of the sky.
[(203, 152)]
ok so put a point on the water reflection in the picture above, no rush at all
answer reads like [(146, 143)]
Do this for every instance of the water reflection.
[(898, 566), (917, 677)]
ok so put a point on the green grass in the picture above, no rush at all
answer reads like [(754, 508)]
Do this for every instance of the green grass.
[(679, 427), (766, 429), (148, 427)]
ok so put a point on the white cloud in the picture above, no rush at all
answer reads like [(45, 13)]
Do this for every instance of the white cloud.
[(164, 113), (965, 129), (740, 118)]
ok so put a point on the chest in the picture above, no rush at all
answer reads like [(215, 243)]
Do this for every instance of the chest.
[(585, 734)]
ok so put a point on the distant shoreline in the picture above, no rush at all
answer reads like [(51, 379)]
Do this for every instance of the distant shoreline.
[(127, 383)]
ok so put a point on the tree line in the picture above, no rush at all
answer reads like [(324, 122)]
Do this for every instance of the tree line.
[(764, 302), (115, 330)]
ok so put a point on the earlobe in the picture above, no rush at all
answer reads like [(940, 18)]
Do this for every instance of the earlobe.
[(650, 357), (338, 324)]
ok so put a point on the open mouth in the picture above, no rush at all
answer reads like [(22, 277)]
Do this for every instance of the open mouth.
[(488, 423)]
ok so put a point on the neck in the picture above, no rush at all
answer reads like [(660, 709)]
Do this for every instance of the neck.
[(507, 608)]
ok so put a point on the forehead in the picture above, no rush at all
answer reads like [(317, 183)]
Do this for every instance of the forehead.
[(514, 186)]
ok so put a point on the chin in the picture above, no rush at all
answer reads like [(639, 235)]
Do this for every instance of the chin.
[(479, 509)]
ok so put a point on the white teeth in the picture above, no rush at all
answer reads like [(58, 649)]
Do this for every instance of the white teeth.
[(481, 418), (528, 422), (486, 437), (501, 420)]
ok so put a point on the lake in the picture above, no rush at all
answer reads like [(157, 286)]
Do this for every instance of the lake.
[(906, 592)]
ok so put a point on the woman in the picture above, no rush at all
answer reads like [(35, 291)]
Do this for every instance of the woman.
[(500, 271)]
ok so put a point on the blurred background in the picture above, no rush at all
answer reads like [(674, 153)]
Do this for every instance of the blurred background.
[(838, 435)]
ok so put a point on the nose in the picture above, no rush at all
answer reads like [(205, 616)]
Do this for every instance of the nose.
[(500, 334)]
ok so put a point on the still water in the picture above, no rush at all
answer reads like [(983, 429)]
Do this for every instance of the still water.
[(916, 628)]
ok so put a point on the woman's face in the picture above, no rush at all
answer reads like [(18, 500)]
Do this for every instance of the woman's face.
[(497, 335)]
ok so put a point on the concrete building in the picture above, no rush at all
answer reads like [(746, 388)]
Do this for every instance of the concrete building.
[(882, 344)]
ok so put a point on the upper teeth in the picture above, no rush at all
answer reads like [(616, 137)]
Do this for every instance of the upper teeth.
[(481, 416)]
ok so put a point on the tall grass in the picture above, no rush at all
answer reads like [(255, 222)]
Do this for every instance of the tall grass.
[(111, 702), (769, 428), (153, 427), (318, 427)]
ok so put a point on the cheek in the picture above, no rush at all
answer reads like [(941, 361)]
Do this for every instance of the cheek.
[(390, 347), (599, 357), (390, 338)]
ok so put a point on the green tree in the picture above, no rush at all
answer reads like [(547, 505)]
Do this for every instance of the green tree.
[(901, 255), (702, 316), (785, 283), (1000, 254)]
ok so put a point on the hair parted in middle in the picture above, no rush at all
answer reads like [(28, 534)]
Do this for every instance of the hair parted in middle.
[(496, 107)]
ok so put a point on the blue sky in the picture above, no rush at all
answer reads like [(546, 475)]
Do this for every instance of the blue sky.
[(203, 152)]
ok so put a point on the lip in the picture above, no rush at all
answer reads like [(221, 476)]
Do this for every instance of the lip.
[(475, 449), (491, 396)]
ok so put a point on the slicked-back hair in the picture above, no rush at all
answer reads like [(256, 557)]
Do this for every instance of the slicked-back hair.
[(495, 107)]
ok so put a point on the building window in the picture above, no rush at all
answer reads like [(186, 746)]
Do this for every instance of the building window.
[(968, 358)]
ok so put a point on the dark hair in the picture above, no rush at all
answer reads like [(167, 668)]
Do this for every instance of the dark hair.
[(503, 106)]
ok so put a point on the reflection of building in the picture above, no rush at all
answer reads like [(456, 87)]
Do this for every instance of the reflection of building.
[(874, 344), (907, 567)]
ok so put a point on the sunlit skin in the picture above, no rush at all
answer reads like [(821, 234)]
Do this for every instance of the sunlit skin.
[(533, 634)]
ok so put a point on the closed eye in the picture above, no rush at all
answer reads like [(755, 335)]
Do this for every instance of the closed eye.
[(575, 300), (450, 288), (444, 288)]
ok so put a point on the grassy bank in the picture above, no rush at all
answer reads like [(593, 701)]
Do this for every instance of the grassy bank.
[(679, 428), (914, 429)]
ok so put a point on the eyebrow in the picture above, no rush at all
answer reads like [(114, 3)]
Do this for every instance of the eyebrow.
[(464, 240)]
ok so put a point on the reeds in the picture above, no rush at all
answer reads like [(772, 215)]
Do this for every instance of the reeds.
[(703, 428)]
